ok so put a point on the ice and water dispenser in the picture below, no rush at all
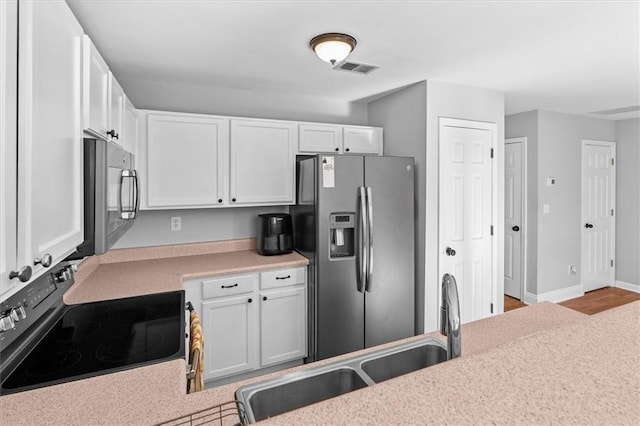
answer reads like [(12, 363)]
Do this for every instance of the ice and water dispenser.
[(342, 235)]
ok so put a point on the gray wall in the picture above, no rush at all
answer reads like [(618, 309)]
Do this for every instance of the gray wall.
[(628, 201), (555, 150), (403, 115), (194, 98), (526, 125), (560, 156), (152, 228)]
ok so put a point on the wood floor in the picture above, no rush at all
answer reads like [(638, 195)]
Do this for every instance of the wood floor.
[(591, 303)]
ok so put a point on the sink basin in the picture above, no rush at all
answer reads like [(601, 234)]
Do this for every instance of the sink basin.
[(271, 397), (403, 361), (295, 392)]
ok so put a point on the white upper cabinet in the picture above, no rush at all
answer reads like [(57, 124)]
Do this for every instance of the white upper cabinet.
[(116, 100), (262, 162), (50, 167), (95, 91), (185, 161), (327, 138), (320, 138), (129, 137), (362, 140), (8, 146)]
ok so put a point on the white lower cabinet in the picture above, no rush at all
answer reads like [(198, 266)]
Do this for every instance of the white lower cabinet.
[(282, 325), (251, 320), (230, 337)]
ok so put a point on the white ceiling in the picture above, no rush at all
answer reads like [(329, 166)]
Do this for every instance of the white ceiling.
[(567, 56)]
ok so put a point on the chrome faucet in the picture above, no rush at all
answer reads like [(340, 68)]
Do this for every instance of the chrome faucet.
[(450, 316)]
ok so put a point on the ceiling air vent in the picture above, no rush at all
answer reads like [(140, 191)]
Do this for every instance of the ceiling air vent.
[(618, 110), (355, 67)]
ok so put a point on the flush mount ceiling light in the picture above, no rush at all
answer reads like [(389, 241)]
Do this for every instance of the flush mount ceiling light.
[(333, 47)]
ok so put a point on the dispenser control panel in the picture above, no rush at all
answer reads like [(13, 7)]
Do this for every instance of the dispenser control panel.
[(341, 235)]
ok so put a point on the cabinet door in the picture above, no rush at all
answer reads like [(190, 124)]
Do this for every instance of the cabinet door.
[(116, 110), (283, 325), (262, 163), (362, 140), (50, 192), (95, 77), (186, 164), (230, 336), (319, 138), (129, 137), (8, 145)]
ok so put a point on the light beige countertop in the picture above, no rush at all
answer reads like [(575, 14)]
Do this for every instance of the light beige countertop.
[(134, 272), (152, 394), (540, 364)]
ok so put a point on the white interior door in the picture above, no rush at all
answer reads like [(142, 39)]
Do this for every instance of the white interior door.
[(598, 209), (513, 218), (466, 202)]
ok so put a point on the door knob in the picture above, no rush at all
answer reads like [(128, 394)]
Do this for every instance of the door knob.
[(515, 228), (450, 252), (588, 225)]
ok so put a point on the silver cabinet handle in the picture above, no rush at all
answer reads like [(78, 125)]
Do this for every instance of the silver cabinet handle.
[(44, 260), (24, 274), (369, 286)]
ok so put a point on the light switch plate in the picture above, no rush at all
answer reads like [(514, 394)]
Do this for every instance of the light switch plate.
[(546, 208)]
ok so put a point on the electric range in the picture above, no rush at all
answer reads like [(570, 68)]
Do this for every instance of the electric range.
[(52, 343)]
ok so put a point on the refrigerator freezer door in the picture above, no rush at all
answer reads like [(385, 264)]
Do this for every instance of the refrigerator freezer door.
[(389, 303), (340, 306)]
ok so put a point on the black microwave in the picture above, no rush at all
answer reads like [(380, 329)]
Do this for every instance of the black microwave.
[(111, 196)]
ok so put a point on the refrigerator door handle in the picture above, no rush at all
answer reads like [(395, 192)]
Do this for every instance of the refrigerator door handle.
[(369, 275), (361, 253)]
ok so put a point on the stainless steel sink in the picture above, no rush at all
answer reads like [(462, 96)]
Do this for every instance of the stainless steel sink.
[(296, 392), (276, 396), (404, 361)]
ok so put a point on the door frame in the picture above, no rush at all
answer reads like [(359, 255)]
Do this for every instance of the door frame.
[(524, 228), (497, 286), (612, 146)]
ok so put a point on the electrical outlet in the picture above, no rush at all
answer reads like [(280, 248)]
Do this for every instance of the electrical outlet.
[(176, 223), (572, 270)]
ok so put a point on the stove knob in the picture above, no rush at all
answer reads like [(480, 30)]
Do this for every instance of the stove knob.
[(7, 323), (18, 313)]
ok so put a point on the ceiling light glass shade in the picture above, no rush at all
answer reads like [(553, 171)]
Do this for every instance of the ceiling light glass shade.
[(333, 47)]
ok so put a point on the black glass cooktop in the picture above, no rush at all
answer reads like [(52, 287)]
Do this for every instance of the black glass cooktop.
[(103, 337)]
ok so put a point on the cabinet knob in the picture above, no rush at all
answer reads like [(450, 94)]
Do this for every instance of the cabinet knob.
[(112, 133), (219, 200), (264, 298), (44, 261), (233, 200), (346, 149), (250, 300), (24, 274), (337, 149)]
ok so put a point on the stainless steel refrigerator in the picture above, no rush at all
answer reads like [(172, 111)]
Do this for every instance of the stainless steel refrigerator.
[(354, 221)]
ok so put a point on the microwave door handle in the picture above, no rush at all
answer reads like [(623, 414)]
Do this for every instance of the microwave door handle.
[(128, 213), (136, 189)]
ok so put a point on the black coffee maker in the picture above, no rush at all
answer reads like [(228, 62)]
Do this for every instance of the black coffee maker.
[(275, 234)]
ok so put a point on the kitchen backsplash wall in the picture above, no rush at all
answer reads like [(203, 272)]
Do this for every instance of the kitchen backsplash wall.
[(153, 228)]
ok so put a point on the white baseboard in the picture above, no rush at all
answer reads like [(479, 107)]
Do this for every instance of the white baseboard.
[(530, 298), (554, 296), (628, 286)]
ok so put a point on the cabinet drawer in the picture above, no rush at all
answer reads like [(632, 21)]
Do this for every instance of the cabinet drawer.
[(228, 286), (282, 278)]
